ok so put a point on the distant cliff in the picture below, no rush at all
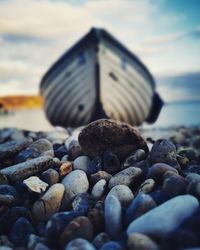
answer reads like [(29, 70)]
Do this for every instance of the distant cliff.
[(20, 102)]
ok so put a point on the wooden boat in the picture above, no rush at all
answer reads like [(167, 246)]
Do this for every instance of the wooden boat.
[(99, 78)]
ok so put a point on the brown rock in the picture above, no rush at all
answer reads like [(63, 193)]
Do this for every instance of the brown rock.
[(108, 135), (81, 227), (65, 168)]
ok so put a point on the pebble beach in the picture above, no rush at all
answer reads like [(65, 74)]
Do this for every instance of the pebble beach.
[(105, 186)]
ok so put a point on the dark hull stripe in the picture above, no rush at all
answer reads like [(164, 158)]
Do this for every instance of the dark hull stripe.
[(66, 97), (124, 103)]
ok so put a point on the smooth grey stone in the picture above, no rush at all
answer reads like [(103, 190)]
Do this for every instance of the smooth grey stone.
[(50, 176), (140, 205), (79, 244), (34, 184), (163, 151), (147, 186), (26, 169), (177, 210), (123, 194), (82, 163), (99, 189), (49, 203), (100, 240), (113, 216), (125, 177), (139, 241), (75, 183), (42, 145), (11, 148)]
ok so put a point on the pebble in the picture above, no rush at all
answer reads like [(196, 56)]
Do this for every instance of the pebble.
[(194, 189), (74, 150), (123, 194), (100, 175), (99, 189), (8, 195), (96, 216), (111, 245), (193, 177), (33, 240), (163, 151), (147, 186), (158, 170), (100, 240), (108, 135), (5, 242), (139, 206), (11, 148), (95, 165), (55, 225), (82, 203), (113, 216), (125, 177), (20, 232), (49, 203), (80, 227), (34, 184), (60, 151), (82, 163), (75, 183), (111, 163), (79, 244), (174, 185), (26, 169), (65, 168), (139, 155), (3, 179), (159, 225), (139, 241), (50, 176), (41, 246)]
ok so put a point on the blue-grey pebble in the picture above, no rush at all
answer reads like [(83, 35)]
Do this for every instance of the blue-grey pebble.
[(113, 216), (20, 232), (99, 189), (82, 163), (82, 203), (139, 206), (75, 183), (123, 194), (111, 245), (79, 244), (177, 210)]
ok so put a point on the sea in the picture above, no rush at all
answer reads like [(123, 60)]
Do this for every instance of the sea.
[(173, 114)]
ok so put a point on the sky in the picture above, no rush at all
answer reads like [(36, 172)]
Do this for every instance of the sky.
[(164, 34)]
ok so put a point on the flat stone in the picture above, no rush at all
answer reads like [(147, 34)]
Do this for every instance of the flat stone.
[(108, 135), (139, 241), (11, 148), (49, 203), (123, 194), (24, 170), (80, 227), (99, 189), (79, 244), (125, 177), (166, 217), (75, 183), (34, 184), (113, 216)]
